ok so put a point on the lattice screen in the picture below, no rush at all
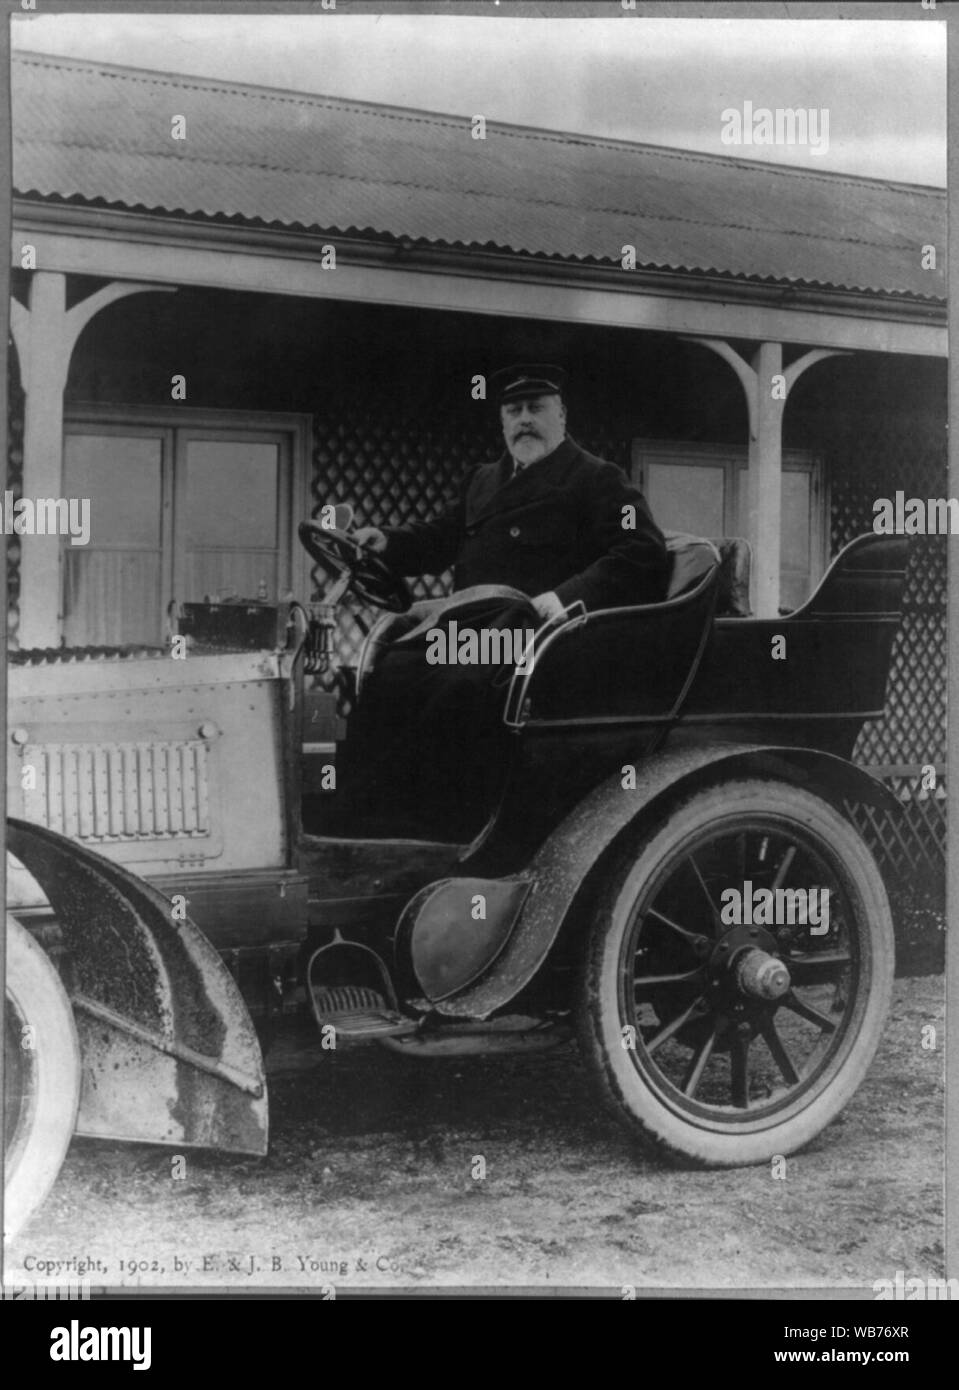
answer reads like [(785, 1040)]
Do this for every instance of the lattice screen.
[(913, 840), (392, 473), (15, 398), (872, 463)]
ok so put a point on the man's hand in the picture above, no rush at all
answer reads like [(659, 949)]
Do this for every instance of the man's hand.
[(371, 538), (547, 605)]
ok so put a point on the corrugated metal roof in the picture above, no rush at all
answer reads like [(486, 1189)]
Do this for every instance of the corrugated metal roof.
[(98, 132)]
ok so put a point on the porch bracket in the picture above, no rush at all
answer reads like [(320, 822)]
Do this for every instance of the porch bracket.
[(747, 376), (809, 359), (765, 412), (45, 335)]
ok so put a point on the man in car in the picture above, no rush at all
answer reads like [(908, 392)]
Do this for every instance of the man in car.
[(547, 519)]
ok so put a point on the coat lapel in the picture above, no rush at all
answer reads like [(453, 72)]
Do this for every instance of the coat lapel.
[(485, 488), (494, 491)]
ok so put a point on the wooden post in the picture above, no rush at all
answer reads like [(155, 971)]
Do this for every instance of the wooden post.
[(765, 479), (45, 336), (44, 359), (765, 401)]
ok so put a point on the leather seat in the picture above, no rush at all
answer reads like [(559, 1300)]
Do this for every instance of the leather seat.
[(391, 628), (691, 559), (735, 559)]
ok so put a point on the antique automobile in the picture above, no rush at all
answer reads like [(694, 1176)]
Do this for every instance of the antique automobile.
[(666, 868)]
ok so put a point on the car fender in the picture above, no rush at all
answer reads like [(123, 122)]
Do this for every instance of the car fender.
[(577, 848), (169, 1053)]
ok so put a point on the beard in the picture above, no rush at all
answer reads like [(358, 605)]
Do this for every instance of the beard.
[(527, 449)]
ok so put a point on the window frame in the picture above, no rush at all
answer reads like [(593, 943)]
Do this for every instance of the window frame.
[(735, 463), (177, 425)]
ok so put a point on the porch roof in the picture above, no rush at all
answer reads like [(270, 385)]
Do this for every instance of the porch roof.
[(100, 135)]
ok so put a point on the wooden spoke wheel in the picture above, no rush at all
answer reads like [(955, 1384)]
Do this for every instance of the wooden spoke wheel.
[(726, 1042)]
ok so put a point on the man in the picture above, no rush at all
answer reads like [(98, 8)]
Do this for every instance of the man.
[(547, 519)]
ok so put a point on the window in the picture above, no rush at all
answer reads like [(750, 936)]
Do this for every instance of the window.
[(206, 509), (703, 489)]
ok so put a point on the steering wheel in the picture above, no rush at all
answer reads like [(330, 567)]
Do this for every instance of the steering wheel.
[(370, 578)]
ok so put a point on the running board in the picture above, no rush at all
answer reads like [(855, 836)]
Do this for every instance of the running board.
[(356, 1011)]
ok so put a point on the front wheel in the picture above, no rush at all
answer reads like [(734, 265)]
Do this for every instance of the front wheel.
[(737, 975), (42, 1077)]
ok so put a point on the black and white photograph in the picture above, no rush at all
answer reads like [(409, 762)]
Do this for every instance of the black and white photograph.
[(476, 524)]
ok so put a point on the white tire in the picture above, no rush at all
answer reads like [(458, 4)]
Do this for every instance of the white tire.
[(683, 1046), (42, 1077)]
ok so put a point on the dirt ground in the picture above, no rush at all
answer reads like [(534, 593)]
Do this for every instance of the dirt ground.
[(370, 1183)]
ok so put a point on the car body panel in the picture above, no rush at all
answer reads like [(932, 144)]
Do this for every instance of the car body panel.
[(574, 850), (140, 777)]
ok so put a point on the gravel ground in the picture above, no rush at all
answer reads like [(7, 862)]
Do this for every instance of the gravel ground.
[(370, 1183)]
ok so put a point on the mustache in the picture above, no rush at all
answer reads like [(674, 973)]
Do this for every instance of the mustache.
[(528, 431)]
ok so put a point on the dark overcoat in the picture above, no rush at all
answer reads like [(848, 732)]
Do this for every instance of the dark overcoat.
[(558, 525), (426, 742)]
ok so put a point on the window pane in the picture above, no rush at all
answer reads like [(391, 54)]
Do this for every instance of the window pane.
[(230, 496), (229, 511), (121, 476), (795, 562), (110, 597), (687, 497), (111, 587), (795, 513), (794, 588)]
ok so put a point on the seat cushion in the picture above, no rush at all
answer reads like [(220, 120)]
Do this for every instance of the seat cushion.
[(691, 560), (736, 556)]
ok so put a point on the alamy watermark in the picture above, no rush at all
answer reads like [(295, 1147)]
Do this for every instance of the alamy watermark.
[(776, 907), (47, 516), (915, 1289), (760, 125), (76, 1343), (24, 1290), (915, 516), (453, 646)]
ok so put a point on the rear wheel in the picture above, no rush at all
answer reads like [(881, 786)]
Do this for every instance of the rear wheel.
[(725, 1042), (41, 1058)]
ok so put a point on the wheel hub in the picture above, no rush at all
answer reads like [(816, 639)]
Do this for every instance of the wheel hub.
[(761, 976), (745, 965)]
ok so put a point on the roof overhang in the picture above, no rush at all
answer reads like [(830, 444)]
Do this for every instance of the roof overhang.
[(170, 250)]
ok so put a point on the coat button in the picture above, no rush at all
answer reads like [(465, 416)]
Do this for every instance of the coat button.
[(514, 531)]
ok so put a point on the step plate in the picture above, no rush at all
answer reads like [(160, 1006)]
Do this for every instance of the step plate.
[(356, 1011)]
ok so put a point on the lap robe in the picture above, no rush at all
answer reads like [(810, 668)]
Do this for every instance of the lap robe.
[(429, 739)]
